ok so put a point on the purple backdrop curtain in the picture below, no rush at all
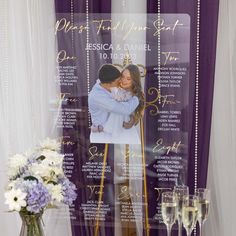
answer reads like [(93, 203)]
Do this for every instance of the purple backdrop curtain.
[(80, 133), (208, 37)]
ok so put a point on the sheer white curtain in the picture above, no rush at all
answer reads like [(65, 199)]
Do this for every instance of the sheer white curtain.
[(27, 93), (222, 162)]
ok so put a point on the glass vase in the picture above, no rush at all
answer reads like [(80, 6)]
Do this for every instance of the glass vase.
[(31, 224)]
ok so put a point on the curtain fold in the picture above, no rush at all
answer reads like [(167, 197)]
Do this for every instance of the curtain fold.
[(222, 160), (5, 224), (28, 94)]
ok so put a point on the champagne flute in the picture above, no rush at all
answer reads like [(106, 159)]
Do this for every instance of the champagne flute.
[(169, 210), (180, 192), (189, 213), (203, 203)]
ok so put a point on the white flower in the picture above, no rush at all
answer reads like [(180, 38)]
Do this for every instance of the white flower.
[(54, 170), (56, 192), (36, 170), (15, 198), (12, 184), (50, 144), (52, 158), (46, 171), (50, 167), (16, 162), (29, 152)]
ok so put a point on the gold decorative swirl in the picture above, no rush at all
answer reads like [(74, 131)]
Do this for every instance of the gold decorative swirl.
[(154, 108)]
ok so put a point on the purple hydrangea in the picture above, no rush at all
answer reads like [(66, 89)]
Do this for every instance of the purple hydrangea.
[(38, 196), (68, 191)]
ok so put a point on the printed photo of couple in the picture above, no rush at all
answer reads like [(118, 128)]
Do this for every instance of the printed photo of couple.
[(116, 105)]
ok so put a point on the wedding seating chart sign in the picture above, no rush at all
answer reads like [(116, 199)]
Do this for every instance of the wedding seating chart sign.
[(132, 108)]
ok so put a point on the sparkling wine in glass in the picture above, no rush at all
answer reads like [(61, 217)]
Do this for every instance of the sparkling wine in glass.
[(169, 210), (180, 192), (203, 204), (189, 213)]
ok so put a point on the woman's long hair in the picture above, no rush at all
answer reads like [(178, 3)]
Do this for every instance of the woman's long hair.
[(136, 90)]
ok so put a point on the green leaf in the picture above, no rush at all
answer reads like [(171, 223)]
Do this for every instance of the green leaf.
[(31, 178), (52, 182), (41, 158)]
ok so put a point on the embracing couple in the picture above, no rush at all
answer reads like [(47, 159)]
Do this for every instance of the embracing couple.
[(116, 104)]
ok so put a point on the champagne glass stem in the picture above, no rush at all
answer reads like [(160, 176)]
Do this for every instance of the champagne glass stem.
[(179, 227), (200, 228), (168, 230), (188, 232)]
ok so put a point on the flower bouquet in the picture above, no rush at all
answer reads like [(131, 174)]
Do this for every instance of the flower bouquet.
[(37, 182)]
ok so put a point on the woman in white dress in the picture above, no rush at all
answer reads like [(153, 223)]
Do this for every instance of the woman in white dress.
[(130, 85)]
